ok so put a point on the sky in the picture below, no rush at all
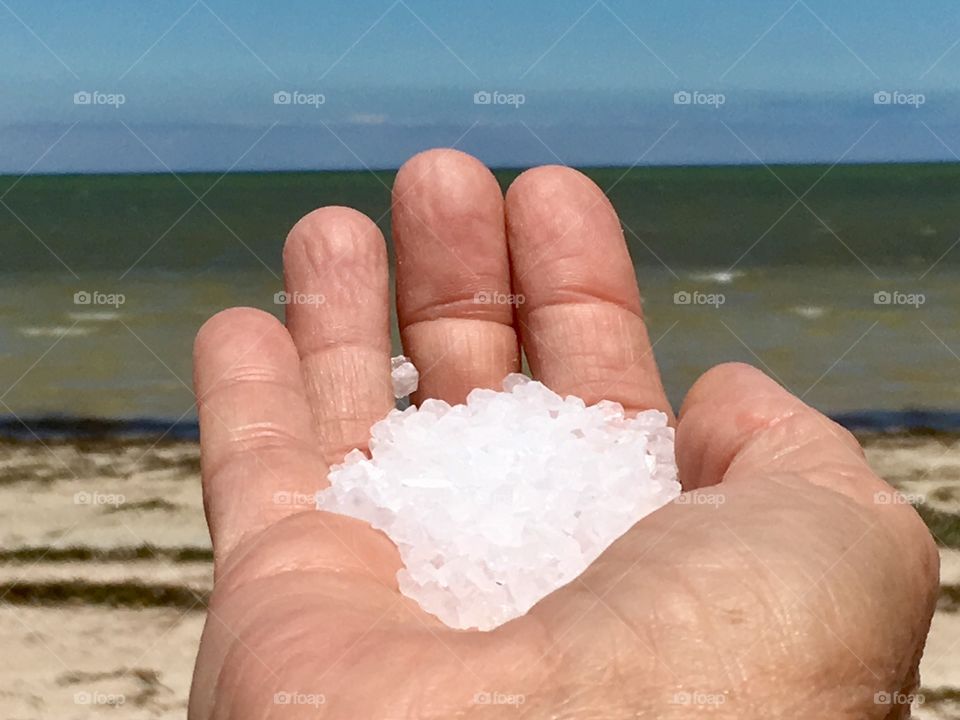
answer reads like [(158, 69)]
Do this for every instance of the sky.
[(110, 86)]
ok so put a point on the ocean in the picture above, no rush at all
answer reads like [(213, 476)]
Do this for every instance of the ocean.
[(841, 282)]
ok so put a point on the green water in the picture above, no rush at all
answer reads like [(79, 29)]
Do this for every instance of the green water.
[(798, 284), (688, 217)]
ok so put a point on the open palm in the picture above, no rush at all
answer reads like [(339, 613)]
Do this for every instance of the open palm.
[(784, 584)]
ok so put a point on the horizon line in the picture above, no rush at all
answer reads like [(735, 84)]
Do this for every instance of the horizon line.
[(494, 168)]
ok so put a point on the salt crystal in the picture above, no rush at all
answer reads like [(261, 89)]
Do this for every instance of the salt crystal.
[(404, 375), (496, 503)]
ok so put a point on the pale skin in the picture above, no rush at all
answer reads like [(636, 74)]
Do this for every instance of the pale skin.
[(780, 588)]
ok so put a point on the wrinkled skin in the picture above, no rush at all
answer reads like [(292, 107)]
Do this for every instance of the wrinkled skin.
[(780, 588)]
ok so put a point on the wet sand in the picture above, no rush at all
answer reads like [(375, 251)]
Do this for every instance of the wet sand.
[(105, 570)]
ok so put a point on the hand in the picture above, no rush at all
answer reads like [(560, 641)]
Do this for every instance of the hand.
[(778, 588)]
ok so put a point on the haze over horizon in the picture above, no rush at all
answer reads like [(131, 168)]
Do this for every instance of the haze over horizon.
[(206, 85)]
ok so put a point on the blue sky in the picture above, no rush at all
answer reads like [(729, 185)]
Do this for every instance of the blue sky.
[(790, 81)]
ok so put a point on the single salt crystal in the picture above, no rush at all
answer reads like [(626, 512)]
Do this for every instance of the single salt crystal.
[(514, 380), (404, 375), (496, 503)]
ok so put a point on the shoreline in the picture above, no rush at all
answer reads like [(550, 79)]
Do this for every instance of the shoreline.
[(865, 424)]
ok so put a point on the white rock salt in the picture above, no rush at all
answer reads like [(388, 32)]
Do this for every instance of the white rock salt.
[(496, 503), (404, 375)]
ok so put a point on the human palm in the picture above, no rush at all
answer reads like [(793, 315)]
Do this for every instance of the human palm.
[(776, 587)]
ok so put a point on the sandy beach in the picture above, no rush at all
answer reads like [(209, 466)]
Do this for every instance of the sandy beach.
[(105, 569)]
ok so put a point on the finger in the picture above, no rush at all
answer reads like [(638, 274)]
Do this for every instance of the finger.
[(581, 321), (258, 451), (738, 425), (453, 275), (734, 411), (335, 269)]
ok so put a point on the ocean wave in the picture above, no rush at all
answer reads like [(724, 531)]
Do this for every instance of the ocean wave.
[(55, 331), (810, 312), (64, 428), (721, 277), (102, 316)]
